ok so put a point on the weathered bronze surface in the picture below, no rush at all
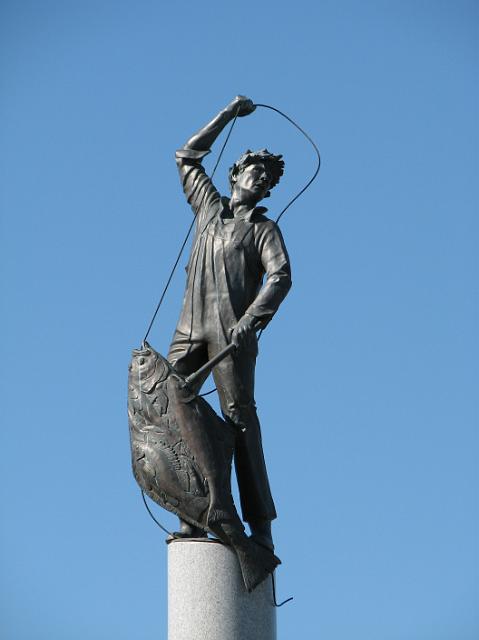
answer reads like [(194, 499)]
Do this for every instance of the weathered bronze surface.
[(237, 276), (181, 456)]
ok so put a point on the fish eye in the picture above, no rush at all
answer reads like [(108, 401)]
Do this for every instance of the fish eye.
[(141, 360)]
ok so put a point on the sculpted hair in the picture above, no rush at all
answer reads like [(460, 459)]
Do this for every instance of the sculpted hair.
[(274, 166)]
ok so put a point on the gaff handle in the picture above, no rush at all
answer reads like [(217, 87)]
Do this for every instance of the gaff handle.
[(206, 368)]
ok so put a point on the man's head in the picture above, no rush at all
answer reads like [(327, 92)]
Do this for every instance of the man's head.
[(255, 173)]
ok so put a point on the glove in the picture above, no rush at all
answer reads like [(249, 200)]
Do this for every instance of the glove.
[(243, 330)]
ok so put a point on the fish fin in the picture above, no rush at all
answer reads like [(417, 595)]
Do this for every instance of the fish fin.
[(256, 562)]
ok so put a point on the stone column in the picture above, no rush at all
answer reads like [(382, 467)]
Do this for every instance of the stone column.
[(207, 599)]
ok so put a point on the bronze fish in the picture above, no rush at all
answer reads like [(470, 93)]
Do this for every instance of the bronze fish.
[(181, 455)]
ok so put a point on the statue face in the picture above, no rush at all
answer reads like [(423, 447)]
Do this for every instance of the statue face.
[(252, 183)]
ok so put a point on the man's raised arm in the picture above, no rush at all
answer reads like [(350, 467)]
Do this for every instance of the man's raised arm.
[(199, 190)]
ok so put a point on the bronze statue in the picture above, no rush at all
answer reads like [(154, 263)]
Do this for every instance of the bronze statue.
[(234, 248), (237, 276)]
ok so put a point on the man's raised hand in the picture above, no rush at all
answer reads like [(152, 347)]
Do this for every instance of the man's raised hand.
[(241, 106)]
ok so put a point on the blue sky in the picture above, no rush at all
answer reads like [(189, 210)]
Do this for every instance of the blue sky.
[(367, 377)]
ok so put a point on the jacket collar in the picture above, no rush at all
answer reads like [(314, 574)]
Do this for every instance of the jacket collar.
[(225, 201)]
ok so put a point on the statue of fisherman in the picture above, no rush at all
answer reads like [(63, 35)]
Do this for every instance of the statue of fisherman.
[(237, 276)]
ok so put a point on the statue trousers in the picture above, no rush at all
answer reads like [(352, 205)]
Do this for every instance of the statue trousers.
[(234, 380)]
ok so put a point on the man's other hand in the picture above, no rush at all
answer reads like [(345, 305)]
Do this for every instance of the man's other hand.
[(244, 329)]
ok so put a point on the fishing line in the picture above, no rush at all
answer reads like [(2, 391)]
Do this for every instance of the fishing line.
[(308, 184), (178, 257), (153, 517), (180, 253), (274, 594), (267, 106)]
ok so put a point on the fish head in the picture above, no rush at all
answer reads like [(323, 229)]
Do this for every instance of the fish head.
[(147, 368)]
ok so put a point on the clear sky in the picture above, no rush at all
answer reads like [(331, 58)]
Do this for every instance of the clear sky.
[(367, 377)]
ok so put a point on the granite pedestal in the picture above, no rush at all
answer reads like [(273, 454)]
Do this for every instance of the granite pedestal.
[(207, 599)]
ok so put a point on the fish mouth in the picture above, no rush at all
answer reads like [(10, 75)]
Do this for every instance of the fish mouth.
[(144, 350), (141, 352)]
